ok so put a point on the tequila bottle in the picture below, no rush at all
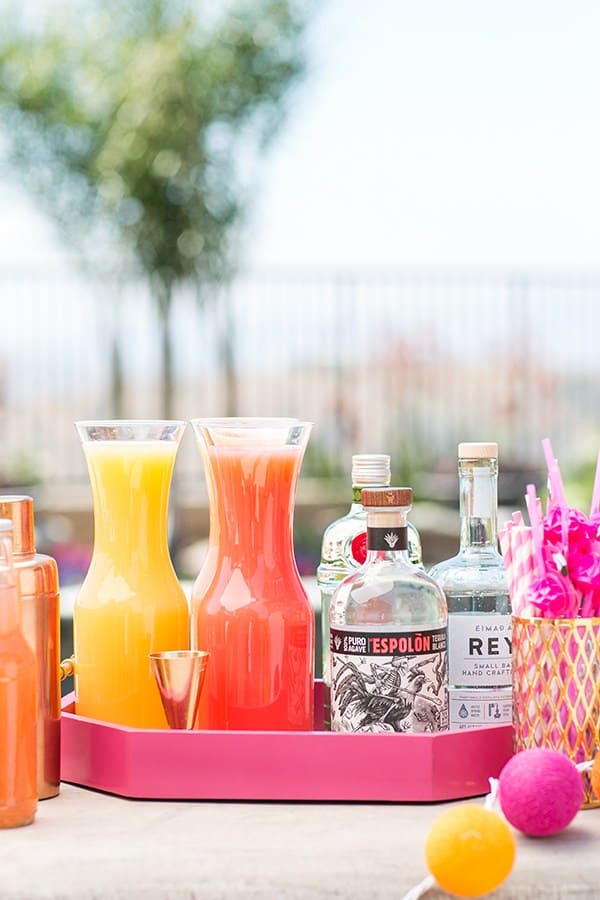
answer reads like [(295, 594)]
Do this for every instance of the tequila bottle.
[(344, 547), (388, 632), (479, 615)]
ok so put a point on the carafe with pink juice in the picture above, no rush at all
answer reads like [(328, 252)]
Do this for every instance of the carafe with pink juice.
[(250, 610)]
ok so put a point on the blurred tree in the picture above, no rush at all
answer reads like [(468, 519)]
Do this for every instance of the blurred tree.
[(139, 125)]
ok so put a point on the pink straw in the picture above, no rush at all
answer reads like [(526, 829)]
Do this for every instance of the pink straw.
[(596, 491), (536, 526), (557, 489), (517, 518)]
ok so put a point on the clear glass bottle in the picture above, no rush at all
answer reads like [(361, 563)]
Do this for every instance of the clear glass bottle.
[(388, 632), (479, 614), (344, 546), (18, 700)]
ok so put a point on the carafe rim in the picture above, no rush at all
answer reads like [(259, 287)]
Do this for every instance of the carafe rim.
[(85, 423), (249, 421)]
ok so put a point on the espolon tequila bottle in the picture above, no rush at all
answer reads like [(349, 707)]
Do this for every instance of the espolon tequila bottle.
[(479, 615), (344, 546), (388, 632)]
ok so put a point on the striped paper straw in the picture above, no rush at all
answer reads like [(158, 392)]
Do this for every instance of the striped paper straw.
[(523, 555)]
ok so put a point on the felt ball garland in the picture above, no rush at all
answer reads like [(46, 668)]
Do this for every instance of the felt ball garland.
[(540, 791), (470, 850)]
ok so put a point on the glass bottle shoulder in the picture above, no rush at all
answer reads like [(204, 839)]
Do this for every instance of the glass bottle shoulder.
[(343, 547), (478, 569), (343, 529), (386, 593)]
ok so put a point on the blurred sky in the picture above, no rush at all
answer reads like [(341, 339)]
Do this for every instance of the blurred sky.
[(428, 132)]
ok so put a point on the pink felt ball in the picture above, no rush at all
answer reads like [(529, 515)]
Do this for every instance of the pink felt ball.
[(540, 791)]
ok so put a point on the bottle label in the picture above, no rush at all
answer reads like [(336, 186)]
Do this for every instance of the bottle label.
[(387, 538), (483, 495), (358, 547), (480, 650), (474, 709), (387, 681)]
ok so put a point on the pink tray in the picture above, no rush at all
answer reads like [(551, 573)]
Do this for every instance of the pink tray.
[(280, 765)]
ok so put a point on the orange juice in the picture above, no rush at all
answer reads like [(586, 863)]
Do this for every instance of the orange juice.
[(131, 602), (18, 738), (18, 700), (249, 607)]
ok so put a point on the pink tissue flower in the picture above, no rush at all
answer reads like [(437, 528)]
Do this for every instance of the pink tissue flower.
[(584, 567), (580, 531), (554, 596)]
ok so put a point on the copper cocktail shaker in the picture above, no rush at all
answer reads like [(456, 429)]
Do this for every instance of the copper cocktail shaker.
[(40, 620)]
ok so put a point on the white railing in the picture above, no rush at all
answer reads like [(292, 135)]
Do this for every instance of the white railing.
[(410, 361)]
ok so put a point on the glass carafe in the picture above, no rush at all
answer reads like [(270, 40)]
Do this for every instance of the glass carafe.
[(249, 607), (131, 602)]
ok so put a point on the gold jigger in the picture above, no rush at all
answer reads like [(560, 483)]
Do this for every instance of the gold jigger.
[(180, 675)]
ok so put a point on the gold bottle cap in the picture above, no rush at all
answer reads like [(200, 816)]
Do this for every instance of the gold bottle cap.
[(386, 496), (19, 509)]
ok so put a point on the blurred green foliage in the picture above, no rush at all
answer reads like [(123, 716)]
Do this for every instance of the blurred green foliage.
[(320, 462), (579, 484), (20, 471), (139, 125), (410, 464)]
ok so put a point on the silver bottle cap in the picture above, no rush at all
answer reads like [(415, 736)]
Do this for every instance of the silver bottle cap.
[(371, 469)]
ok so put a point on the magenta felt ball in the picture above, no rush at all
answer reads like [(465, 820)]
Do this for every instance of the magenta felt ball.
[(540, 791)]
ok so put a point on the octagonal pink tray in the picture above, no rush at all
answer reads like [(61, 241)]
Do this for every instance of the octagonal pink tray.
[(280, 765)]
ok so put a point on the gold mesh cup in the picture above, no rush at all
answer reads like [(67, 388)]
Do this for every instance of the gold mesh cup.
[(556, 688)]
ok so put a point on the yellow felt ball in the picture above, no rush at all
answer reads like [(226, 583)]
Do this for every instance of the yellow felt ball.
[(470, 850)]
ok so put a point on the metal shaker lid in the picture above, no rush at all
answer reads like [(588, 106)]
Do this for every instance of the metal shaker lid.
[(19, 508)]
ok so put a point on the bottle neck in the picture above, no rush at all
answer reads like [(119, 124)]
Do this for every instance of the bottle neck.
[(387, 534), (478, 503), (10, 611)]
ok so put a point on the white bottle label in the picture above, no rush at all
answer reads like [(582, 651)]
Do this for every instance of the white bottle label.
[(482, 493), (476, 709), (479, 650), (388, 681)]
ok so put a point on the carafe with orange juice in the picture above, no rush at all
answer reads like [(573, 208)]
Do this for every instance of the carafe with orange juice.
[(131, 602), (250, 610), (18, 700)]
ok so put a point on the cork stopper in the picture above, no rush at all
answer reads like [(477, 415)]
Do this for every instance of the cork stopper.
[(19, 509), (371, 468), (390, 496), (468, 450)]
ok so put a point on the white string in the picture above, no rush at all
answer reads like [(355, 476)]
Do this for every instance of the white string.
[(420, 889), (584, 766), (491, 798)]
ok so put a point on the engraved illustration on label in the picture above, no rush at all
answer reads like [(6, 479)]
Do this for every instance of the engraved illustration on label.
[(388, 682)]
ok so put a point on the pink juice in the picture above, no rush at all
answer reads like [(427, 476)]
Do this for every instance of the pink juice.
[(249, 607)]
